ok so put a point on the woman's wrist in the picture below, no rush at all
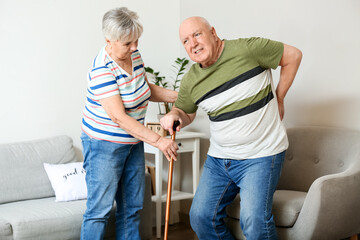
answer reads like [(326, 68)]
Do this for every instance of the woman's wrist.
[(157, 142), (174, 96)]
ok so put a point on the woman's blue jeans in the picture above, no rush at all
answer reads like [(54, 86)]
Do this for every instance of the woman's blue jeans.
[(113, 172), (221, 180)]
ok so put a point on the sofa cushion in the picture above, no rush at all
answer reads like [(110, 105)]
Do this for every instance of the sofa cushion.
[(286, 207), (46, 219), (67, 180), (29, 218), (22, 175), (5, 230)]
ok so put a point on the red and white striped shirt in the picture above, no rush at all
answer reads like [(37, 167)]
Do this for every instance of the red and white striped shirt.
[(105, 79)]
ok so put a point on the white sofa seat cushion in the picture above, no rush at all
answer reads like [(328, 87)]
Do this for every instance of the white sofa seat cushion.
[(28, 219), (286, 207), (5, 230)]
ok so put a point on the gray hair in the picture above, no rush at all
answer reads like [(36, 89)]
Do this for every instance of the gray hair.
[(121, 24)]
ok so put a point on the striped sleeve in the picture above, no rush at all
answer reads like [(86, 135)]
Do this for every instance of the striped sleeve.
[(102, 83)]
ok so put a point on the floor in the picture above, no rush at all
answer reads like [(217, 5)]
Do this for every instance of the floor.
[(178, 231), (182, 231)]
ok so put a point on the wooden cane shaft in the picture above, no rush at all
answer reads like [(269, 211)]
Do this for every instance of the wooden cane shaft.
[(168, 196)]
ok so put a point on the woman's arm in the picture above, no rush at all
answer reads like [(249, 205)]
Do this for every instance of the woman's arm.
[(160, 94), (115, 109)]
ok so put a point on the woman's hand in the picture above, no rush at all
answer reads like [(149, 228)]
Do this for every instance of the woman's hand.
[(168, 147)]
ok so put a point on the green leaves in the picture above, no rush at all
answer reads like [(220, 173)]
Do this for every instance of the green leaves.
[(158, 80), (179, 69)]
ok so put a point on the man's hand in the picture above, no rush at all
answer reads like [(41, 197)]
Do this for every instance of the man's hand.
[(168, 120), (289, 63), (281, 109), (176, 114)]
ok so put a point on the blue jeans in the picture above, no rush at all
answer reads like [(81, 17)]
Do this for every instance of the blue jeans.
[(113, 172), (221, 180)]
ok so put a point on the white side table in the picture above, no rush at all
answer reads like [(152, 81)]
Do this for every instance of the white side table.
[(187, 142)]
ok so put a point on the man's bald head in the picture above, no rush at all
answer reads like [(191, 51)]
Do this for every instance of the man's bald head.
[(195, 20), (200, 40)]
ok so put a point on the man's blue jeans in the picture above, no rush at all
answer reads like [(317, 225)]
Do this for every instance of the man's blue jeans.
[(221, 180), (113, 172)]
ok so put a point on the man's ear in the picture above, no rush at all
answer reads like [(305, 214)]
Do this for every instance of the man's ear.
[(213, 32)]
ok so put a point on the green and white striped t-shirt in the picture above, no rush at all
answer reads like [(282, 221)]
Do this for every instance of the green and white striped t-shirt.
[(238, 94)]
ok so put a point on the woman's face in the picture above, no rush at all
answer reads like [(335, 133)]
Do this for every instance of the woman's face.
[(122, 50)]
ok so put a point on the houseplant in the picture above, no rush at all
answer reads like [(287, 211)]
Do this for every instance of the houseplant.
[(179, 69)]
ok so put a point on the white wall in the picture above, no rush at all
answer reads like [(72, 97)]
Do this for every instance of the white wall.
[(46, 49)]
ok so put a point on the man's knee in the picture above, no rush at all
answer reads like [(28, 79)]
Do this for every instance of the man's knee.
[(199, 215)]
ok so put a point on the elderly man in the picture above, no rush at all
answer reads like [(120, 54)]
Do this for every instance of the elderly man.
[(232, 82)]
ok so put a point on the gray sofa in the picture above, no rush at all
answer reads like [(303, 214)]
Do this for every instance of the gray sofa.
[(318, 196), (27, 204)]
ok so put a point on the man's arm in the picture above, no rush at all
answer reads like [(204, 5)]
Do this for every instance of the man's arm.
[(176, 114), (289, 63)]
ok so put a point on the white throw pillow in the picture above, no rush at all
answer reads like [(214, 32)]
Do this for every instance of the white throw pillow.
[(67, 180)]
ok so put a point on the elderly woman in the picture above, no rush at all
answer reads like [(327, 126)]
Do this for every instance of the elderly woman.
[(112, 129)]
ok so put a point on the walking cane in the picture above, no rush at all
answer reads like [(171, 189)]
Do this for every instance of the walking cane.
[(170, 175)]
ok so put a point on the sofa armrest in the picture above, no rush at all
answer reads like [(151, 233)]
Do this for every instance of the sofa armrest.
[(330, 200)]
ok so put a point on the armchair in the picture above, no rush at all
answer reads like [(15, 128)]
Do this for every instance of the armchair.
[(318, 195)]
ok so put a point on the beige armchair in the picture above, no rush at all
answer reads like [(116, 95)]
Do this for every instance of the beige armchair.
[(318, 196)]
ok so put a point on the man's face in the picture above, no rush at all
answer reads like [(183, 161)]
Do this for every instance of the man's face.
[(199, 41)]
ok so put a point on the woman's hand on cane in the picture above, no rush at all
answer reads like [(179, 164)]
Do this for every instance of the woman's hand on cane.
[(168, 147)]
